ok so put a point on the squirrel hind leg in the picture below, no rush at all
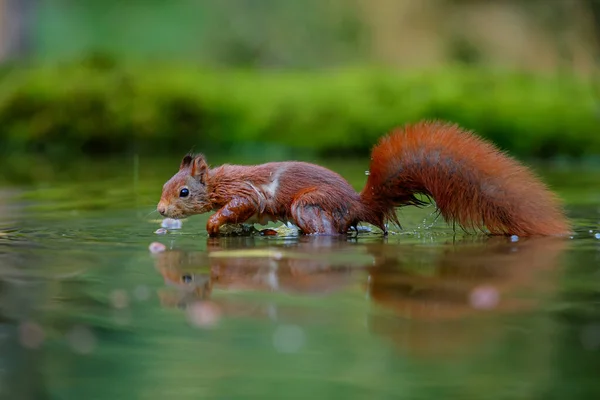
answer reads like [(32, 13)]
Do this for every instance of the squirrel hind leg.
[(314, 214), (312, 220)]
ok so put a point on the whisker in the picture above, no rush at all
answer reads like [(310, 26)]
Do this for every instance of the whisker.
[(147, 215), (148, 199)]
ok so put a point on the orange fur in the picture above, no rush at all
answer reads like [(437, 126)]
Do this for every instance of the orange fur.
[(471, 181)]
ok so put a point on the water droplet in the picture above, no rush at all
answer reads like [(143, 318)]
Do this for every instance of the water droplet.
[(161, 231), (597, 235)]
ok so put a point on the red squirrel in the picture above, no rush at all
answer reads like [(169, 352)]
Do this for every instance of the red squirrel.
[(472, 183)]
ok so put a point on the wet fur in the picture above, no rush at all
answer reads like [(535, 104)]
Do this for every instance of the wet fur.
[(472, 183)]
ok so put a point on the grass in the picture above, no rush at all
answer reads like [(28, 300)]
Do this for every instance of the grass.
[(101, 107)]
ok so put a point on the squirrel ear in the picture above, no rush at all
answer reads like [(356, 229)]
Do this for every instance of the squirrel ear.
[(199, 168), (186, 162)]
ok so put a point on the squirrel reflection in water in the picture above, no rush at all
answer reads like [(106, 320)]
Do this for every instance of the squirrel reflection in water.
[(437, 286), (303, 265)]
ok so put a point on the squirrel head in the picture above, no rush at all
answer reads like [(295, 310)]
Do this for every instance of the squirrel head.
[(185, 193)]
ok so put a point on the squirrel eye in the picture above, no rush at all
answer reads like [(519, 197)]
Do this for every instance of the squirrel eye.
[(184, 192), (187, 278)]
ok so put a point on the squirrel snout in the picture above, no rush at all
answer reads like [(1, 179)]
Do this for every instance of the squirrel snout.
[(162, 209)]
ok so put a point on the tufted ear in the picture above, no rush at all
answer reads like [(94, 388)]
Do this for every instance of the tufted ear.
[(186, 162), (199, 168)]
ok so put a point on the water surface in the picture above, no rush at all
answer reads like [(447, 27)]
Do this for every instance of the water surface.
[(88, 311)]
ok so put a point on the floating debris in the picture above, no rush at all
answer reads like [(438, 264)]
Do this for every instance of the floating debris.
[(237, 230), (170, 223), (157, 247), (286, 230)]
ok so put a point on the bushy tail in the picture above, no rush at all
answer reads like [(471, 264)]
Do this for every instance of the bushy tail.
[(472, 183)]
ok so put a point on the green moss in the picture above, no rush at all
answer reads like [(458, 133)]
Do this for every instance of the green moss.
[(115, 109)]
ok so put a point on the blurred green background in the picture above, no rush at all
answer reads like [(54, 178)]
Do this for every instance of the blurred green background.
[(99, 99), (282, 76)]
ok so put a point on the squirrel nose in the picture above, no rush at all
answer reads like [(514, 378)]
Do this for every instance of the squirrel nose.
[(162, 210)]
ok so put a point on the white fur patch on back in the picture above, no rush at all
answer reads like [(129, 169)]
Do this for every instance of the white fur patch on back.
[(270, 189), (266, 193)]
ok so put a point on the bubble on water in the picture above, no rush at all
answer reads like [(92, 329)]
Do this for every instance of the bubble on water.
[(590, 336), (141, 293), (204, 314), (119, 298), (157, 247), (31, 335), (81, 340), (161, 231), (288, 339), (597, 235), (171, 223), (484, 297), (514, 238)]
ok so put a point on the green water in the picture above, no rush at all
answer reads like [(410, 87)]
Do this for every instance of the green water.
[(88, 312)]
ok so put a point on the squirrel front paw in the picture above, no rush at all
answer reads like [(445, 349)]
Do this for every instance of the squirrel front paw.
[(212, 227)]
